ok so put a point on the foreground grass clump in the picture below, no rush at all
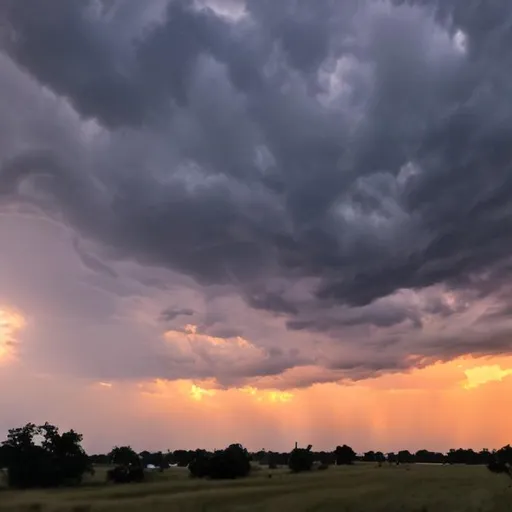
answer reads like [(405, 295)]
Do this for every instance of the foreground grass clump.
[(357, 488)]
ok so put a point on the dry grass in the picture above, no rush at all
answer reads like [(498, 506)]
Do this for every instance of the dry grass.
[(359, 488)]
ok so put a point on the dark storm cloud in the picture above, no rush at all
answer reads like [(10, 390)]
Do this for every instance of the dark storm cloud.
[(171, 313), (387, 316), (269, 301), (362, 146), (71, 47), (91, 262), (58, 42)]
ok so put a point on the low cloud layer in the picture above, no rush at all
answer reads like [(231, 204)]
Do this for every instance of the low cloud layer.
[(327, 181)]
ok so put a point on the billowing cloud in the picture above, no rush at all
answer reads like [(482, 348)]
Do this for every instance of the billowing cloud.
[(321, 188)]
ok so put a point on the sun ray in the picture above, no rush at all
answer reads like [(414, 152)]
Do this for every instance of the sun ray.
[(11, 323)]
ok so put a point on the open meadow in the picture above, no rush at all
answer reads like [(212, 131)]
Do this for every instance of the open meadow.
[(362, 487)]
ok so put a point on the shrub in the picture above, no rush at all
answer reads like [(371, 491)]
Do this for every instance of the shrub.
[(125, 474), (499, 467)]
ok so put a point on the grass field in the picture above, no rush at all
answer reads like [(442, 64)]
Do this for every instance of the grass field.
[(362, 487)]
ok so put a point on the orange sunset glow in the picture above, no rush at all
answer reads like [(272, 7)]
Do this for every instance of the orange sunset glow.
[(11, 323), (437, 407), (442, 406)]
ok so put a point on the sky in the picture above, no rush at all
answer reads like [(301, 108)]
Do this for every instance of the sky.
[(258, 222)]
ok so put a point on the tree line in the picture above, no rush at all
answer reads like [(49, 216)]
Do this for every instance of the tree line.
[(41, 456), (183, 458)]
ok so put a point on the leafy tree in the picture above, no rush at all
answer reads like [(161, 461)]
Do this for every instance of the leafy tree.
[(344, 455), (380, 457), (405, 456), (124, 456), (183, 457), (503, 454), (429, 457), (199, 467), (56, 460), (301, 459), (392, 458), (369, 456), (233, 462), (4, 456), (463, 456)]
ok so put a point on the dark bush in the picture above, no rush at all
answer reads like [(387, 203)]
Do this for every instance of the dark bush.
[(503, 455), (233, 462), (200, 465), (499, 467), (301, 459), (125, 474), (344, 455)]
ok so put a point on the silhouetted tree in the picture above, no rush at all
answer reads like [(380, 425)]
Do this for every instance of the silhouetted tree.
[(465, 456), (124, 456), (344, 455), (325, 457), (405, 457), (369, 456), (503, 455), (426, 456), (199, 467), (233, 462), (184, 457), (301, 459), (271, 461), (56, 460), (380, 457)]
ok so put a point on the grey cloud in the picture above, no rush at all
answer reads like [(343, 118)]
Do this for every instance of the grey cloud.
[(220, 331), (499, 312), (477, 344), (273, 302), (57, 42), (377, 315), (92, 262), (62, 42), (168, 315), (352, 144)]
